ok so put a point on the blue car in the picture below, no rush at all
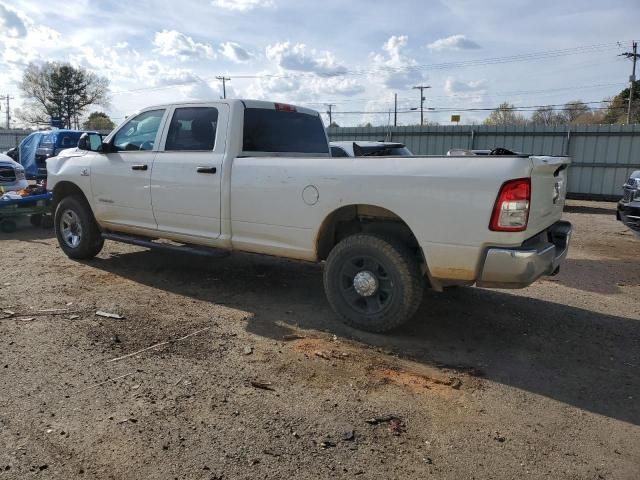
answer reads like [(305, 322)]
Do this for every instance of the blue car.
[(34, 150)]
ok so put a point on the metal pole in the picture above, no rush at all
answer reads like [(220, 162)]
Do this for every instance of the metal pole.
[(395, 109), (632, 80), (224, 85), (421, 88), (329, 112)]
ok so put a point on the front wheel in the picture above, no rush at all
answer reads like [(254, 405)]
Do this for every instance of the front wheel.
[(373, 283), (76, 229)]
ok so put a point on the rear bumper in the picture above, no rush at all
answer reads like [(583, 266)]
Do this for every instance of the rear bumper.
[(519, 267), (629, 214)]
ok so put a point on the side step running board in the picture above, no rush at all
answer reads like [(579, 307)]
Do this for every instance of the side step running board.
[(143, 242)]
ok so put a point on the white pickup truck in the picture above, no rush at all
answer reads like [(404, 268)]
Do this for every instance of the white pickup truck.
[(256, 176)]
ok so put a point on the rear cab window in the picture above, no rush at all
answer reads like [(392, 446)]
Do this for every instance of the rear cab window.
[(192, 129), (283, 129)]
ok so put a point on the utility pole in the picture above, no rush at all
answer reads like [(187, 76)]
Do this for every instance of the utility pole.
[(329, 112), (224, 85), (395, 109), (7, 98), (633, 56), (421, 88)]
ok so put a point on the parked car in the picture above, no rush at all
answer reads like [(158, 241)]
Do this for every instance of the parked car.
[(368, 149), (458, 152), (12, 176), (257, 176), (629, 207), (12, 153), (35, 148), (53, 142)]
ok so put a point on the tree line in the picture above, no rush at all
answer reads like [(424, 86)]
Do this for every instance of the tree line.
[(575, 112)]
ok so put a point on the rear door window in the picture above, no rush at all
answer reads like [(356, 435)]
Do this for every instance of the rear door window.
[(267, 130), (192, 129)]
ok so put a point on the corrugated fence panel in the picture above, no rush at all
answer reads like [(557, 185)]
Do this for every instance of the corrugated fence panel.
[(603, 155), (11, 138)]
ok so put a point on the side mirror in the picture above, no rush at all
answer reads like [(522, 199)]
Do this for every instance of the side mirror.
[(91, 142)]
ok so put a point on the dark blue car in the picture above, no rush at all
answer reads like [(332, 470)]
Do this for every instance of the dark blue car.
[(34, 150)]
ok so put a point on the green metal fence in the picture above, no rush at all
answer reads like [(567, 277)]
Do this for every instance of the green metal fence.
[(603, 155)]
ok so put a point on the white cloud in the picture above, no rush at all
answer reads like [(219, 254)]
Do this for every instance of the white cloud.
[(453, 86), (299, 89), (171, 43), (298, 57), (472, 91), (241, 5), (11, 24), (394, 69), (235, 52), (454, 42)]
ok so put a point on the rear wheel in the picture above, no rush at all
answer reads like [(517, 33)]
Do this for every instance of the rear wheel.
[(373, 283), (76, 229)]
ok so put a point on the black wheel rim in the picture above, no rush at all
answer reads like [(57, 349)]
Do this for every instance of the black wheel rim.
[(369, 268)]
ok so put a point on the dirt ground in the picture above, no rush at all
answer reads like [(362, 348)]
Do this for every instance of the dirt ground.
[(255, 378)]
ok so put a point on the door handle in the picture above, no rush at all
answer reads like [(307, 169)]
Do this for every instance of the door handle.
[(139, 167), (206, 170)]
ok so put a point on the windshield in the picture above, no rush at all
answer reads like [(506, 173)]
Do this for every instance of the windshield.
[(68, 139)]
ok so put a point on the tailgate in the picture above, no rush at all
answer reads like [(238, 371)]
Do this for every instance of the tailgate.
[(548, 191)]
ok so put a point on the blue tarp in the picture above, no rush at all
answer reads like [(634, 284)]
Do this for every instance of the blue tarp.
[(27, 153)]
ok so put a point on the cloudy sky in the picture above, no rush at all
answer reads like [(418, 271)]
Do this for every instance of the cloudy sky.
[(355, 55)]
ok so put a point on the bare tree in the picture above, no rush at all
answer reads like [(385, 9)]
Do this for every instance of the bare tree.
[(56, 89), (574, 110), (505, 114), (546, 116)]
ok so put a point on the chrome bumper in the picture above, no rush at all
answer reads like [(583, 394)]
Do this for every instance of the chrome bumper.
[(519, 267)]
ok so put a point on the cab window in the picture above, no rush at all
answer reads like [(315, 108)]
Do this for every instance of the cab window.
[(192, 129), (139, 133)]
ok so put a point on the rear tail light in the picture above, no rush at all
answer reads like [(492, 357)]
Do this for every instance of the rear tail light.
[(283, 107), (511, 210)]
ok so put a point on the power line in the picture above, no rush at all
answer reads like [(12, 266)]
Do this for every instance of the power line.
[(527, 108), (387, 69)]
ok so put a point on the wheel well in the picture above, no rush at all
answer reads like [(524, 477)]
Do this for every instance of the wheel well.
[(353, 219), (65, 189)]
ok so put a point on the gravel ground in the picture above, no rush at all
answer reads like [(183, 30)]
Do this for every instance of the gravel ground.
[(252, 377)]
